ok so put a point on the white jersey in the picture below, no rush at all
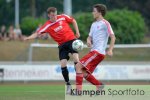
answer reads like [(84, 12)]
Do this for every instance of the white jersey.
[(99, 32)]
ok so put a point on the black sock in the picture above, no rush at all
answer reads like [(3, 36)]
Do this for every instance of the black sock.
[(65, 74)]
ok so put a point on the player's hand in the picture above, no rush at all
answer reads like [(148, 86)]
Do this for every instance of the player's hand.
[(109, 52), (89, 44), (77, 35), (25, 38)]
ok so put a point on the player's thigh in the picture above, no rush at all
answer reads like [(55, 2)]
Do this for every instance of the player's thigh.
[(90, 61), (93, 64), (63, 53)]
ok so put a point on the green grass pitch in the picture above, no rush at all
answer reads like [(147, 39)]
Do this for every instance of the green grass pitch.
[(53, 91), (32, 92)]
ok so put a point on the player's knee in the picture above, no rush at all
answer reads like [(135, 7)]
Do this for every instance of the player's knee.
[(79, 67), (63, 63), (85, 75)]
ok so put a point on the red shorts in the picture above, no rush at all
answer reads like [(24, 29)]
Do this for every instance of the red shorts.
[(91, 60)]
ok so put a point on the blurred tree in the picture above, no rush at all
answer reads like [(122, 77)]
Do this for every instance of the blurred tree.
[(129, 26), (85, 5), (6, 12), (33, 7), (30, 24), (39, 7), (84, 23), (142, 6)]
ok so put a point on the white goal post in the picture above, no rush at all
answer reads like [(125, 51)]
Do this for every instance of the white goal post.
[(34, 45)]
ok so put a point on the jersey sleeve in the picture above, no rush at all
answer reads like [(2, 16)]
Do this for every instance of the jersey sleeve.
[(110, 30), (69, 19), (43, 29)]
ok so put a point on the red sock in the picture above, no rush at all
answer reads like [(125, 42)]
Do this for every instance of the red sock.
[(93, 80), (79, 80)]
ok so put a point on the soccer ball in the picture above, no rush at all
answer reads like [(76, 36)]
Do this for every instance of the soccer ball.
[(77, 45)]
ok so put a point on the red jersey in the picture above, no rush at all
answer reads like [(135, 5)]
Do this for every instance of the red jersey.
[(60, 30)]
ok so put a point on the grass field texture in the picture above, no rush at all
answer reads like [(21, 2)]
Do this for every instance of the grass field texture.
[(32, 92)]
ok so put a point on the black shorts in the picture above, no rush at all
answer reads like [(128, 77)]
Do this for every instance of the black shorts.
[(65, 49)]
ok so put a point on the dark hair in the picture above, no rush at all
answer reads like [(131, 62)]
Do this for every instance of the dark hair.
[(101, 8), (51, 9)]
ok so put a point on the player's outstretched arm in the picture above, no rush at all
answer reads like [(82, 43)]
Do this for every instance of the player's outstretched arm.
[(111, 46), (32, 36)]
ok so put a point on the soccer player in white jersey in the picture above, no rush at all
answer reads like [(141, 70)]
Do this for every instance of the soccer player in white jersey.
[(98, 37)]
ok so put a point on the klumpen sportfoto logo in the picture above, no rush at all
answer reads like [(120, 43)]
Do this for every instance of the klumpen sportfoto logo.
[(108, 92)]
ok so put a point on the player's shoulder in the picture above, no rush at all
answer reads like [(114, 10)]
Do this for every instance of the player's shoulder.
[(64, 15), (93, 24), (61, 15), (105, 21), (47, 22)]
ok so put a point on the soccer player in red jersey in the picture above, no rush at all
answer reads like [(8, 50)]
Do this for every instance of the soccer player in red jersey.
[(98, 37), (58, 28)]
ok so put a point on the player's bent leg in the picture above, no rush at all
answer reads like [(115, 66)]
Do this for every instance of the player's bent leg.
[(99, 85), (65, 71), (90, 78)]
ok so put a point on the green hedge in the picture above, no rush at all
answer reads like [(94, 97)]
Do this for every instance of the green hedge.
[(30, 24), (84, 21), (128, 26)]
